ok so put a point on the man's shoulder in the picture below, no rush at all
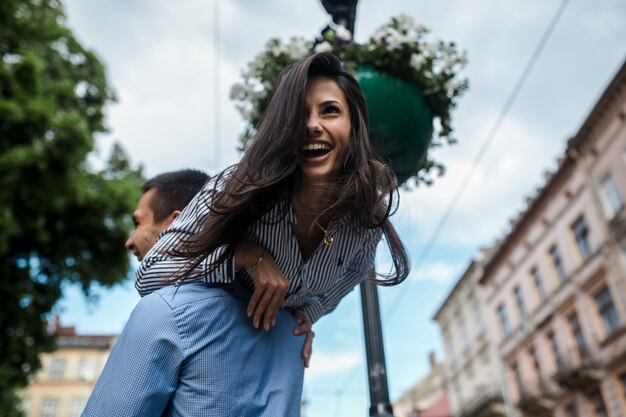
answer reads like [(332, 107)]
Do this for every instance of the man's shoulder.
[(176, 296)]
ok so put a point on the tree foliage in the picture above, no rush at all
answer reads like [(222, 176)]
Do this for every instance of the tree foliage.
[(61, 221)]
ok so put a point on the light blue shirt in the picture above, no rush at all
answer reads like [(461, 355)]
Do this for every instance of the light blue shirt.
[(192, 351)]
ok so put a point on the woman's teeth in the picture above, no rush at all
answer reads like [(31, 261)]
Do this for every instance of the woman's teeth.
[(314, 150), (315, 147)]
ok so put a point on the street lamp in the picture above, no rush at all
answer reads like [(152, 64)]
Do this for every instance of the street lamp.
[(343, 13)]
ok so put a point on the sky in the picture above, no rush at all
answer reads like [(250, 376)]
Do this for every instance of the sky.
[(172, 65)]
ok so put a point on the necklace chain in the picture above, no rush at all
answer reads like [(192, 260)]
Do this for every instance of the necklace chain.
[(328, 236)]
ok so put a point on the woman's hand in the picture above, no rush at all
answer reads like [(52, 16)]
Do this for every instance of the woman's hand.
[(270, 285), (304, 326)]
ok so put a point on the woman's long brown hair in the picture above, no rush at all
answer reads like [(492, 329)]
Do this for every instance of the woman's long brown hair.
[(365, 190)]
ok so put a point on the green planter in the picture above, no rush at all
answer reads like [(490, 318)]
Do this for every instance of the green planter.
[(401, 123)]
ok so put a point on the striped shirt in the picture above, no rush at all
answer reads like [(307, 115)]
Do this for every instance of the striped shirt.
[(316, 286)]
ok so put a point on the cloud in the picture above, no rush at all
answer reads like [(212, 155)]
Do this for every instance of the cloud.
[(326, 364), (439, 272)]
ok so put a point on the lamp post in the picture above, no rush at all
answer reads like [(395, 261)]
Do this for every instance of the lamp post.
[(343, 13)]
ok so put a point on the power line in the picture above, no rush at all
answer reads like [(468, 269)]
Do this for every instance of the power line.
[(477, 159), (485, 145), (217, 134)]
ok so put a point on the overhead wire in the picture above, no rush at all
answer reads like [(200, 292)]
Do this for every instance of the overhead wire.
[(476, 162), (484, 147)]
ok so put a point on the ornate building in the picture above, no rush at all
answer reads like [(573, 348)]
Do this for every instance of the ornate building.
[(63, 385), (556, 285), (427, 397), (472, 367)]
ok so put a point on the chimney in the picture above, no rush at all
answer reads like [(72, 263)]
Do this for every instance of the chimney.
[(432, 359)]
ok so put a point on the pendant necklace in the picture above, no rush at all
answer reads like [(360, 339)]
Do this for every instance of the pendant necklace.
[(328, 238)]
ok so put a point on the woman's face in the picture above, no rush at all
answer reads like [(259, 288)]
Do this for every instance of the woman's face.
[(327, 130)]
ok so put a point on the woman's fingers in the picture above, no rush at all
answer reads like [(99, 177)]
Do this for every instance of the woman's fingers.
[(267, 299), (304, 327), (307, 348), (269, 317)]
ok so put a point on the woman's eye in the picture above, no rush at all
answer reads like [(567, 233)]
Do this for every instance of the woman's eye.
[(331, 109)]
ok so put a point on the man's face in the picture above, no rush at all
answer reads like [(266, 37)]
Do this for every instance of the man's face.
[(146, 231)]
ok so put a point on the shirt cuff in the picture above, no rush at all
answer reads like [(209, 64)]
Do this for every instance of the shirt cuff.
[(313, 309)]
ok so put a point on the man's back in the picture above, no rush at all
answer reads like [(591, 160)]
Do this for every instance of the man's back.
[(192, 351)]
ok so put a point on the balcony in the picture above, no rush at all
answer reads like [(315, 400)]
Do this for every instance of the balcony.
[(489, 403), (579, 375), (617, 229), (537, 399)]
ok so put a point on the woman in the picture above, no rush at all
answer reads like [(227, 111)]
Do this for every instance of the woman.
[(297, 221)]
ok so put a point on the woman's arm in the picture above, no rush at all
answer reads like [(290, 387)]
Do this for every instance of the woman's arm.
[(158, 269)]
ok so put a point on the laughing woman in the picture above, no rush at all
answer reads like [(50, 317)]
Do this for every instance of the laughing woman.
[(296, 222)]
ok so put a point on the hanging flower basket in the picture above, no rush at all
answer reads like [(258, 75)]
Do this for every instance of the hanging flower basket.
[(411, 85), (401, 123)]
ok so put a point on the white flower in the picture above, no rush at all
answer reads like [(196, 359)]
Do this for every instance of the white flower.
[(430, 48), (343, 34), (417, 60), (380, 34), (405, 23), (462, 59), (419, 28), (395, 39), (297, 49), (323, 47), (452, 84), (277, 49), (237, 92)]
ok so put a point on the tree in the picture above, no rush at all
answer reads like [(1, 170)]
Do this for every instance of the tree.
[(61, 221)]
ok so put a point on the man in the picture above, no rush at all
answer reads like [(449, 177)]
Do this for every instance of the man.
[(186, 350), (164, 197)]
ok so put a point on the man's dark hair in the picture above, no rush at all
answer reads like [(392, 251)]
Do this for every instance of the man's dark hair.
[(174, 190)]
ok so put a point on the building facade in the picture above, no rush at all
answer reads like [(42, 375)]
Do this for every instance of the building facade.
[(428, 396), (556, 285), (472, 368), (67, 376)]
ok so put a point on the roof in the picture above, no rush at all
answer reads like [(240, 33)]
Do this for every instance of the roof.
[(441, 408), (481, 257), (593, 121)]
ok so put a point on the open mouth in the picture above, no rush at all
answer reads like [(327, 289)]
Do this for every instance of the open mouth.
[(315, 150)]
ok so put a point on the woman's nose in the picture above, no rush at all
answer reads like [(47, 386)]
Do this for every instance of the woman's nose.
[(313, 127)]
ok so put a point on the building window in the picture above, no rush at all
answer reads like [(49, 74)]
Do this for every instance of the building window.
[(464, 335), (519, 299), (607, 310), (478, 317), (57, 368), (579, 336), (613, 201), (86, 371), (25, 405), (555, 348), (504, 320), (49, 408), (518, 377), (581, 234), (449, 346), (571, 410), (77, 407), (598, 404), (538, 284), (557, 263), (533, 356)]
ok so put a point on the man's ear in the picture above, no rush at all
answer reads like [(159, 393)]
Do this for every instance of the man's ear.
[(173, 215)]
